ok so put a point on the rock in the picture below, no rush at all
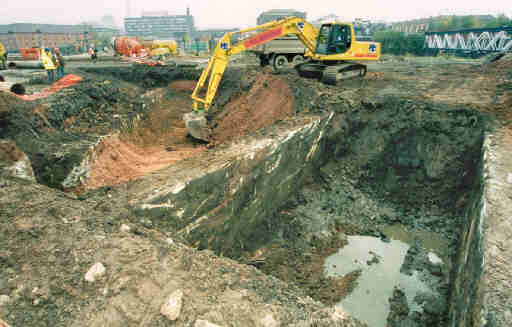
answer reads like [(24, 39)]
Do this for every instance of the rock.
[(96, 271), (14, 162), (4, 299), (172, 307), (269, 321), (125, 228), (204, 323)]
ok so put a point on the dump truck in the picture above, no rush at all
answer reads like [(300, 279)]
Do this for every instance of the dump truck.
[(282, 50), (332, 53)]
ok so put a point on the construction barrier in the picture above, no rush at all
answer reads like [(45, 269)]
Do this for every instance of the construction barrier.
[(30, 53), (65, 82)]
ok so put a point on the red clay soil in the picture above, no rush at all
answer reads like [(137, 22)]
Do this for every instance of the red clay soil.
[(270, 99), (116, 161)]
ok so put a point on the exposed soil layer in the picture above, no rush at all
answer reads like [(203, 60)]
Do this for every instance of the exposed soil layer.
[(116, 161), (269, 100)]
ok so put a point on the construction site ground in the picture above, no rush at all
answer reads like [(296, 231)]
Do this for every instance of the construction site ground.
[(125, 121)]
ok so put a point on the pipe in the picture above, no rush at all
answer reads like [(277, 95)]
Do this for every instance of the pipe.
[(26, 65), (18, 89)]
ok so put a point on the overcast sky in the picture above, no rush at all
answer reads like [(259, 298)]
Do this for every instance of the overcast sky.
[(239, 13)]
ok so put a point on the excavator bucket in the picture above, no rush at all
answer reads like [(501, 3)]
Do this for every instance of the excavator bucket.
[(197, 125)]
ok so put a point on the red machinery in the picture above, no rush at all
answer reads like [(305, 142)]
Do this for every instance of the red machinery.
[(127, 46)]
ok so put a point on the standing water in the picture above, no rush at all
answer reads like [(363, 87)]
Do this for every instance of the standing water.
[(379, 263)]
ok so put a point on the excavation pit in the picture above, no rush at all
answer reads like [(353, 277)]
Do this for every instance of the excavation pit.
[(401, 171)]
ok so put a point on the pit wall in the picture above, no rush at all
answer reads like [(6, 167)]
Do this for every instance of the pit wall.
[(80, 156), (222, 205), (467, 290)]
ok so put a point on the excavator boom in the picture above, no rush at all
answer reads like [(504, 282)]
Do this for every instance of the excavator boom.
[(306, 32)]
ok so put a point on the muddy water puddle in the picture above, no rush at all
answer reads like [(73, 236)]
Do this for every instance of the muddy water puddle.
[(379, 263)]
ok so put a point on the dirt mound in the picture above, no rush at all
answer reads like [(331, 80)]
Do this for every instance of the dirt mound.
[(270, 99), (117, 161)]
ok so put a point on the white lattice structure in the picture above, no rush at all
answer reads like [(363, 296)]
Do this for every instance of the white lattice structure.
[(484, 40)]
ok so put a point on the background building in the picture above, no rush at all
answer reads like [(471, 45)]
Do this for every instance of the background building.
[(159, 25), (277, 14), (23, 35)]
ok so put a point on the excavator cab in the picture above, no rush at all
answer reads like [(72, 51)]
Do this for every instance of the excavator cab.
[(333, 39)]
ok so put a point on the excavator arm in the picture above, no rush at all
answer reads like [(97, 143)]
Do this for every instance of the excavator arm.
[(306, 32)]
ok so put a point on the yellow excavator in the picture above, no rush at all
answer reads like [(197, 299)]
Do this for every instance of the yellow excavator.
[(332, 53)]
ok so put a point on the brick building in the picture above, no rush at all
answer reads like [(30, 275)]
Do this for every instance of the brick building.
[(16, 36)]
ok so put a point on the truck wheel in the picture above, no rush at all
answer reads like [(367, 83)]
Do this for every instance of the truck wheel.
[(279, 63), (264, 61), (297, 59)]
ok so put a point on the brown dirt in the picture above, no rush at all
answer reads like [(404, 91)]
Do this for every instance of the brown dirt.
[(270, 99), (9, 152), (158, 141), (184, 85), (116, 161)]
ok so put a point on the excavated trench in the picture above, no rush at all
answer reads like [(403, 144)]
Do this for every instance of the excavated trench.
[(382, 224), (374, 205), (376, 208)]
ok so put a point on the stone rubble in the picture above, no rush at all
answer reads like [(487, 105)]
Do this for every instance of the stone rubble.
[(172, 307), (96, 271)]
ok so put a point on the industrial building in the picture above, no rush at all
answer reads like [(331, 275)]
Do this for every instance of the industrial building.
[(160, 25)]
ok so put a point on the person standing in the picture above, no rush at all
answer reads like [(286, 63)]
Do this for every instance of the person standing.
[(62, 63), (3, 57), (48, 64), (91, 53), (95, 55)]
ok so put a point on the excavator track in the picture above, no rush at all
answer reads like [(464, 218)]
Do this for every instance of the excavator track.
[(332, 74), (310, 70)]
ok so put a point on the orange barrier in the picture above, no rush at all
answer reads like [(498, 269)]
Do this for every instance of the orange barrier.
[(66, 81), (30, 53)]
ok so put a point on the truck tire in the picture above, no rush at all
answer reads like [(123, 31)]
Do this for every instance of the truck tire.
[(279, 62), (264, 60), (298, 59)]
